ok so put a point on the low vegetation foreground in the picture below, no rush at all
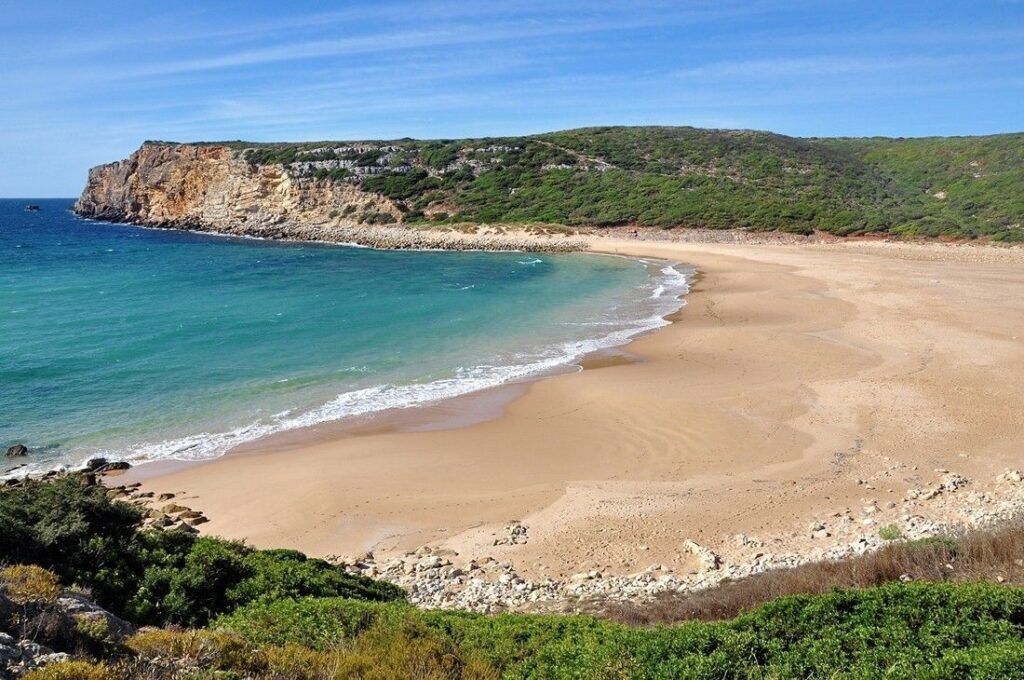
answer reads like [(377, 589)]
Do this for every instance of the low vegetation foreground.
[(85, 593)]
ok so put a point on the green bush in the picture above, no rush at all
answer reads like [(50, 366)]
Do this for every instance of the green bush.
[(895, 631), (689, 177), (156, 577), (197, 649), (890, 532), (76, 532), (72, 670), (190, 584)]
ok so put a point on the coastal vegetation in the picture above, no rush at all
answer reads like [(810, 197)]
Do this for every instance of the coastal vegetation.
[(223, 610), (155, 577), (673, 177)]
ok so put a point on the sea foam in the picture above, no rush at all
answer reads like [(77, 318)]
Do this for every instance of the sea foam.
[(667, 284)]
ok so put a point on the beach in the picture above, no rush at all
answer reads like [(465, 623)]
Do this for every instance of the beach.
[(803, 398)]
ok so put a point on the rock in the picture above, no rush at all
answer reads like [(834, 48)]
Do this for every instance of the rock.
[(190, 514), (952, 482), (80, 607), (173, 509), (17, 451), (164, 497), (1013, 476), (114, 466), (194, 521), (516, 534), (9, 651), (709, 561), (94, 464)]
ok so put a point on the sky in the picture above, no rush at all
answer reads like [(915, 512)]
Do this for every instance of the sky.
[(86, 83)]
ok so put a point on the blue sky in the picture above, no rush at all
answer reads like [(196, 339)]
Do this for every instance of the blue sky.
[(85, 83)]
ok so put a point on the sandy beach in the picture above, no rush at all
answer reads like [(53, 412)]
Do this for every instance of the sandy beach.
[(800, 384)]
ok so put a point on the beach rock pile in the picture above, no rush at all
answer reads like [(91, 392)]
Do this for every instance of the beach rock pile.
[(486, 585), (159, 512), (517, 535), (436, 577)]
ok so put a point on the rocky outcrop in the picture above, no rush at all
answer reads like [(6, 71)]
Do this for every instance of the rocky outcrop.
[(70, 626), (211, 187)]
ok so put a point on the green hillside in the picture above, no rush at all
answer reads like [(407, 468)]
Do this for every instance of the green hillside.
[(688, 177)]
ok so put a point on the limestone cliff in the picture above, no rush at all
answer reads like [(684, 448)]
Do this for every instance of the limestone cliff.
[(212, 187)]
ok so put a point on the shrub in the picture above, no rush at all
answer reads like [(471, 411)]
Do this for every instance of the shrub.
[(76, 532), (28, 596), (320, 623), (890, 532), (94, 636), (410, 651), (199, 649), (71, 670), (898, 630), (29, 585), (155, 577), (216, 576)]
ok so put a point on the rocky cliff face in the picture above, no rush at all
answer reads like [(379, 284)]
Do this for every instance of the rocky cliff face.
[(211, 187)]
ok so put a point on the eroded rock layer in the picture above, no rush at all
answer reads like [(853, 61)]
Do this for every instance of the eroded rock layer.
[(211, 187)]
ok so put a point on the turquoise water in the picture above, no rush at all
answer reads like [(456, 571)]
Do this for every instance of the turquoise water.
[(142, 344)]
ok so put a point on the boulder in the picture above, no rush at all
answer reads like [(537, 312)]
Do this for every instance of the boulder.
[(17, 451), (79, 607), (115, 466)]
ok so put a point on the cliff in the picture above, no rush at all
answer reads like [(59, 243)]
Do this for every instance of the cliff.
[(666, 177), (211, 187)]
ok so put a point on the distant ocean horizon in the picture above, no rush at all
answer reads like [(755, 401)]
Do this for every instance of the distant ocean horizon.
[(140, 344)]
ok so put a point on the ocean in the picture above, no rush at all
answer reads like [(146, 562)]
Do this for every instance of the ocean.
[(144, 344)]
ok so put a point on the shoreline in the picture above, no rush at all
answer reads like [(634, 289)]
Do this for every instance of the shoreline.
[(453, 412), (537, 367), (800, 408)]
